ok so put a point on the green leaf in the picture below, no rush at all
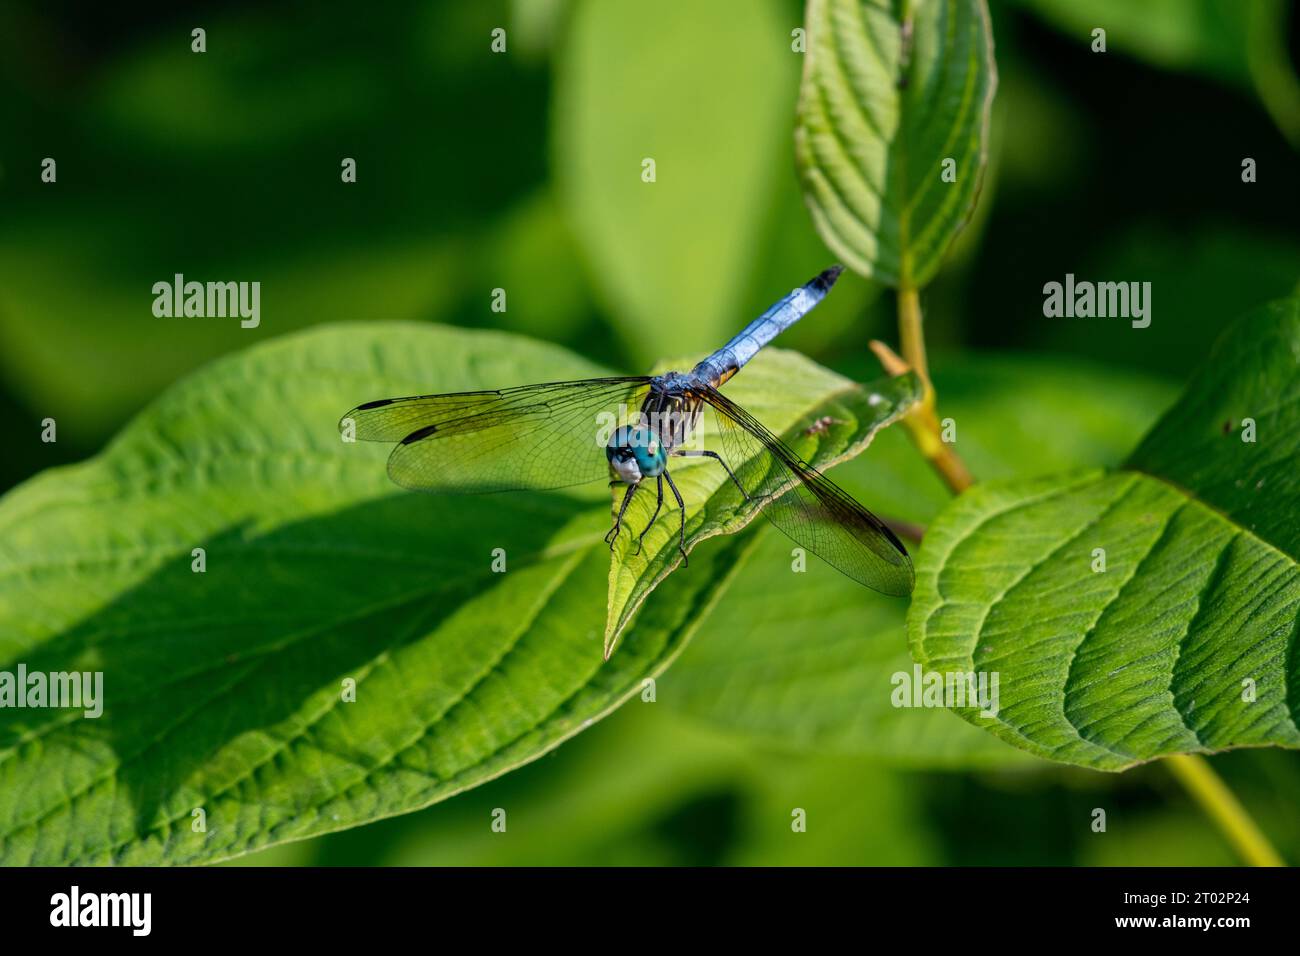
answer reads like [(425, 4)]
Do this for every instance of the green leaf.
[(786, 392), (760, 668), (648, 787), (1186, 642), (805, 660), (705, 92), (891, 90), (223, 688)]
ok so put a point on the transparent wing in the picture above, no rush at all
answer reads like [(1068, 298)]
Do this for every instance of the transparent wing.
[(535, 436), (807, 506)]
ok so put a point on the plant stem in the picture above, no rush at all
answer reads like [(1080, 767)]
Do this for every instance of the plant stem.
[(904, 529), (921, 422), (911, 337), (1222, 806)]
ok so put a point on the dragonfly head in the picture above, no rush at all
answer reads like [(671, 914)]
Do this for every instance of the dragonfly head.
[(635, 452)]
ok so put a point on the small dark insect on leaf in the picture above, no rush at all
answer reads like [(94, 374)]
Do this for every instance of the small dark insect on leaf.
[(821, 426)]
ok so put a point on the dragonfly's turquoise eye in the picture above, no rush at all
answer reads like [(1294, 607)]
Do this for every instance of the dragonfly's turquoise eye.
[(635, 452)]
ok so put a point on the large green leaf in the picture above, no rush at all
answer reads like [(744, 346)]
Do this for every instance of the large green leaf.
[(892, 89), (790, 395), (222, 690), (1185, 639), (704, 90), (649, 787), (759, 667)]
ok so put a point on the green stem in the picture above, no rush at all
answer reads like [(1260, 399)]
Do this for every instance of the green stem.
[(1222, 806), (921, 422), (911, 337)]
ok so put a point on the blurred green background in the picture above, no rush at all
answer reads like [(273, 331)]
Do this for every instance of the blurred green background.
[(521, 171)]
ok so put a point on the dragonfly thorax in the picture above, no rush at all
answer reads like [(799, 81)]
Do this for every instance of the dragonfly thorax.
[(672, 409), (635, 452)]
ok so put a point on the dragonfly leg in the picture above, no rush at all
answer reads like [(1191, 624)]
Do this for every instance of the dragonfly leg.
[(612, 535), (718, 458), (658, 504), (681, 541)]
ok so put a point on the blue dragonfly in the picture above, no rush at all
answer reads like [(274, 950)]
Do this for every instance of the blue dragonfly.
[(548, 436)]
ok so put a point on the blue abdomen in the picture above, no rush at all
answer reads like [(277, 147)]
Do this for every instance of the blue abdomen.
[(729, 359)]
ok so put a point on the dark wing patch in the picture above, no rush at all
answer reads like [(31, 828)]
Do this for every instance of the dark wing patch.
[(807, 506)]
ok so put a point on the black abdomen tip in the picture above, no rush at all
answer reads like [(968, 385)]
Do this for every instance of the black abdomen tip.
[(827, 278)]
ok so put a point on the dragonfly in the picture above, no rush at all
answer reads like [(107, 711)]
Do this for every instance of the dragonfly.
[(543, 437)]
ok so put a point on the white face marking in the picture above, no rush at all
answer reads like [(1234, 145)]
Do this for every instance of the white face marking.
[(629, 471)]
